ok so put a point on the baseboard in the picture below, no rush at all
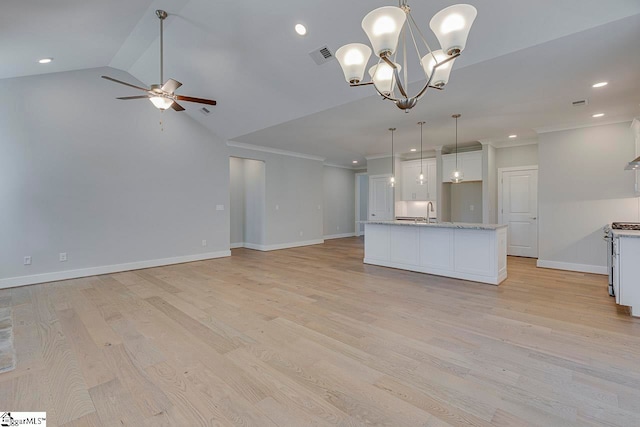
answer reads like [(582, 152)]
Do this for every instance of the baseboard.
[(583, 268), (339, 236), (282, 245), (105, 269), (236, 245)]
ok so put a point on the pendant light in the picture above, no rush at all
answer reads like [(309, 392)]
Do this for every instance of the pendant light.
[(392, 180), (457, 175), (421, 180)]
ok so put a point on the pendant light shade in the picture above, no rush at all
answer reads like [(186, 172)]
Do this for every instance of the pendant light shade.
[(383, 77), (457, 176), (442, 72), (452, 25), (383, 27), (353, 59), (420, 180), (392, 180), (633, 165)]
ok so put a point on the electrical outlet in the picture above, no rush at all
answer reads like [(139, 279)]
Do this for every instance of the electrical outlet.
[(63, 256), (338, 228), (27, 260), (219, 207), (301, 233), (277, 207), (204, 243), (471, 208)]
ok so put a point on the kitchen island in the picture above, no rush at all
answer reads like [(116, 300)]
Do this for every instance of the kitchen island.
[(476, 252)]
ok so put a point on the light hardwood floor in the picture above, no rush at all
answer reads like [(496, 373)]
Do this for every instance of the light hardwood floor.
[(312, 336)]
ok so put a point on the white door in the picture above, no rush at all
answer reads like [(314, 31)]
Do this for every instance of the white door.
[(380, 199), (519, 195)]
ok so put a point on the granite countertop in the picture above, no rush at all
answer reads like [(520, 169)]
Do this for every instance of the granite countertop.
[(625, 233), (466, 225)]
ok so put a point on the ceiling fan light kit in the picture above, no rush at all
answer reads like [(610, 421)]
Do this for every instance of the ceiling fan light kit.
[(386, 27), (162, 96)]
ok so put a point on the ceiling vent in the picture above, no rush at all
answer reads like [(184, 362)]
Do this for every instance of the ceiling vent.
[(205, 111), (580, 103), (321, 55)]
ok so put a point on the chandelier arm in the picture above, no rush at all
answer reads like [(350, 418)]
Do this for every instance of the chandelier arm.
[(424, 40), (360, 84), (413, 38), (397, 76), (404, 57)]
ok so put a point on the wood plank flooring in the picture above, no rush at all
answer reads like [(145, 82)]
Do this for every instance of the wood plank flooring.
[(313, 337)]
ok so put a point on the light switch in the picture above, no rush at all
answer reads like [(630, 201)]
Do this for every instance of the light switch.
[(471, 207), (219, 207), (27, 260), (277, 207)]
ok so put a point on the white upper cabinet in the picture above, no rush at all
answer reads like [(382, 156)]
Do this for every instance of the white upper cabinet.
[(411, 189), (470, 163)]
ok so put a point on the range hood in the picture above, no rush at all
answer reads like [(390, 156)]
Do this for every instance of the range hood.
[(635, 163)]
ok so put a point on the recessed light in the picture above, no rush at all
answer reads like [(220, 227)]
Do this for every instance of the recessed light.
[(354, 162), (413, 150), (45, 60), (595, 116), (301, 29), (513, 136), (601, 84)]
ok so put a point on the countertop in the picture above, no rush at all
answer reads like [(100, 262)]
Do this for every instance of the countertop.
[(465, 225), (626, 233)]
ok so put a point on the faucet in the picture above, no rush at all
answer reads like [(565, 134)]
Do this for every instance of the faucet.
[(429, 209)]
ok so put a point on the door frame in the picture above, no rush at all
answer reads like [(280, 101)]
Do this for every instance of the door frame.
[(357, 189)]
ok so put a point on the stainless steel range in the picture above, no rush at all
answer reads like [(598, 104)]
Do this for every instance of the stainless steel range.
[(611, 247)]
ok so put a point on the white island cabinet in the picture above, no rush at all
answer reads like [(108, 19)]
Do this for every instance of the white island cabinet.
[(626, 269), (476, 252)]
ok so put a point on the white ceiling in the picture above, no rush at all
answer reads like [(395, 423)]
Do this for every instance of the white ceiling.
[(524, 63)]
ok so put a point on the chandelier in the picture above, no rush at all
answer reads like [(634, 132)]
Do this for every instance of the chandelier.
[(388, 25)]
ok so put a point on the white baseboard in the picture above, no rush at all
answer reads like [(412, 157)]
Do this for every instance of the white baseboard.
[(282, 245), (12, 282), (236, 245), (583, 268), (339, 236)]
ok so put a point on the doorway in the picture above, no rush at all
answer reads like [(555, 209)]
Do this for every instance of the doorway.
[(247, 203), (362, 202), (518, 208)]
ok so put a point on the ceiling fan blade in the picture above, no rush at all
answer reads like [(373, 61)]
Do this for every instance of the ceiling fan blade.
[(199, 100), (177, 106), (134, 97), (125, 83), (171, 85)]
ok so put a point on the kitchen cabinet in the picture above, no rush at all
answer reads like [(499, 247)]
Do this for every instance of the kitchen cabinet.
[(470, 163), (411, 189), (626, 270)]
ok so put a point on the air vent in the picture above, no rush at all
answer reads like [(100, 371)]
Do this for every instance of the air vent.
[(580, 103), (205, 110), (321, 55)]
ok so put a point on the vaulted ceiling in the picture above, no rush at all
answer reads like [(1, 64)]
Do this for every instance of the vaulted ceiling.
[(524, 64)]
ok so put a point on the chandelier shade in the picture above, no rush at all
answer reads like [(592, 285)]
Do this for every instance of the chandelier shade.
[(441, 73), (383, 77), (452, 25), (393, 34), (353, 59), (383, 27)]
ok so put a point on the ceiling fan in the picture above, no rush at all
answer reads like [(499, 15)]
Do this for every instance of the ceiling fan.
[(162, 96)]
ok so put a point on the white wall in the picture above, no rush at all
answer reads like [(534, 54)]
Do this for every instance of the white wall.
[(102, 180), (582, 187), (339, 202), (293, 198), (254, 203), (522, 155)]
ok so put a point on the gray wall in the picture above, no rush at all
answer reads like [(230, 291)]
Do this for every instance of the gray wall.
[(523, 155), (582, 187), (293, 197), (463, 196), (237, 200), (101, 179), (339, 201), (364, 200), (254, 202)]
